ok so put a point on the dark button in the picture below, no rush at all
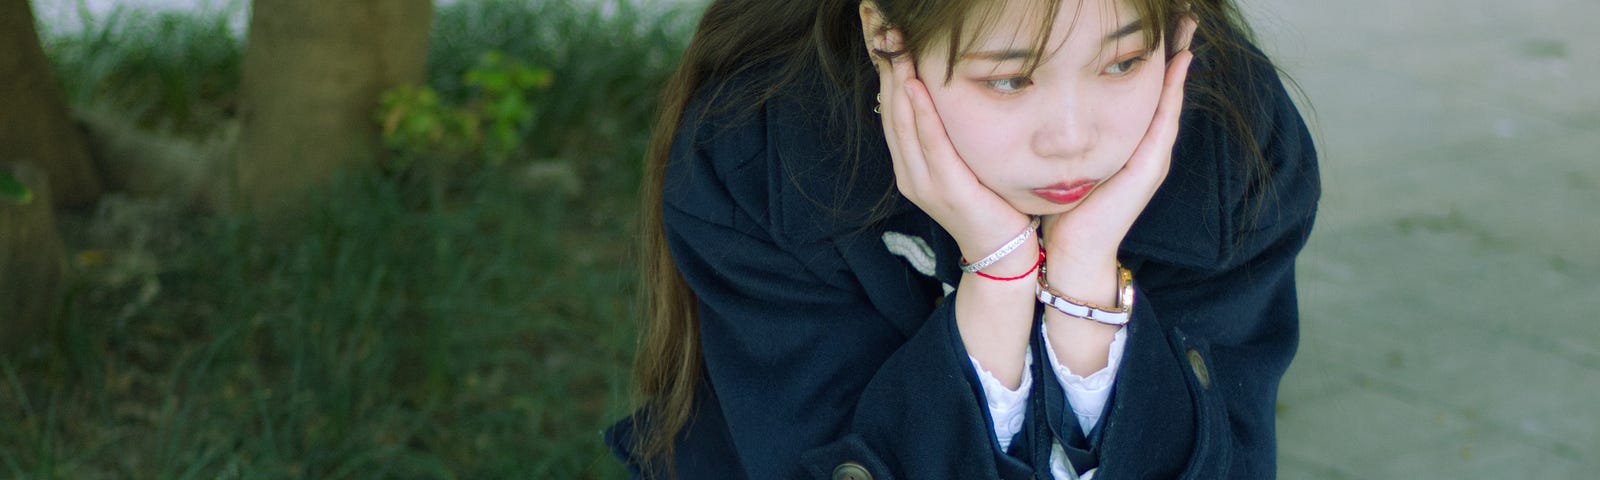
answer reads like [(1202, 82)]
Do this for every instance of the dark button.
[(851, 471), (1198, 364)]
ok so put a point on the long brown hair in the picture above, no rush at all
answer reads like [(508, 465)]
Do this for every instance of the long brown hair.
[(735, 36)]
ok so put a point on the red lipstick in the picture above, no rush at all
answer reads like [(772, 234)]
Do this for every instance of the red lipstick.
[(1066, 192)]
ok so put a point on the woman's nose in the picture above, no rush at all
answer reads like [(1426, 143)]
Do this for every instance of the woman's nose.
[(1065, 129)]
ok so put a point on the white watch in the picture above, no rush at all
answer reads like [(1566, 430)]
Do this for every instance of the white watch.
[(1117, 315)]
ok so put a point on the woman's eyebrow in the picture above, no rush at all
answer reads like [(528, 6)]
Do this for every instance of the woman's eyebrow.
[(1001, 55), (1129, 29), (1022, 54)]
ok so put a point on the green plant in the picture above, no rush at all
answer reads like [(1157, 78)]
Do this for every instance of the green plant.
[(435, 142), (608, 58), (13, 190), (504, 104), (417, 124)]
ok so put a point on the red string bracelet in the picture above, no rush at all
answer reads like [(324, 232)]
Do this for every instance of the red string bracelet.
[(1018, 277)]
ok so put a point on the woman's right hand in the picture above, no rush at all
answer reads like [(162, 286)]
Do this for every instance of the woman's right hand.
[(930, 173), (993, 317)]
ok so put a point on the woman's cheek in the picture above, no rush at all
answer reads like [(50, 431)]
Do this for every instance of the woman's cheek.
[(977, 134), (1132, 125), (1133, 112), (981, 142)]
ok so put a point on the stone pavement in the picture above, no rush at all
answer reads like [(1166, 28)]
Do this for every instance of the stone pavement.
[(1449, 292)]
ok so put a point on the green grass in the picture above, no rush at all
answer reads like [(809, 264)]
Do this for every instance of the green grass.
[(172, 72), (378, 336)]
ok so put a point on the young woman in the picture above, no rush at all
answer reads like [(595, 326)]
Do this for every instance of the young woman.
[(928, 239)]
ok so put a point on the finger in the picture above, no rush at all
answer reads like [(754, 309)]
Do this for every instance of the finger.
[(1171, 105), (900, 115), (902, 68), (883, 65), (932, 138), (892, 72), (1185, 34), (1155, 149), (900, 130)]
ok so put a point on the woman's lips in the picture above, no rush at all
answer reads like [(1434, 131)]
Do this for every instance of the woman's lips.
[(1066, 192)]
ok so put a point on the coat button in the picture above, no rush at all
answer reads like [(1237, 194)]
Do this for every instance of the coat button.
[(1198, 364), (851, 471)]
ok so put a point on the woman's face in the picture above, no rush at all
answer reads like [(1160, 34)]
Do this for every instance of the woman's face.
[(1045, 141)]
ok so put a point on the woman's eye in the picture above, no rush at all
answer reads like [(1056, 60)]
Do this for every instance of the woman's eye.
[(1010, 85), (1124, 67)]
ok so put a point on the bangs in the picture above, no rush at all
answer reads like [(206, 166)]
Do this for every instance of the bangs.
[(982, 17), (968, 22)]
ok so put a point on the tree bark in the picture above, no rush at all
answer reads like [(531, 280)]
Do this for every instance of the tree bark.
[(34, 125), (313, 71), (32, 264)]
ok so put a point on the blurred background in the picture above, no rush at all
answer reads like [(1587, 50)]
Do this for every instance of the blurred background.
[(392, 238), (1450, 289)]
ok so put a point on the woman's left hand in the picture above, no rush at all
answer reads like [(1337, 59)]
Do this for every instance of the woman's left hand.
[(1090, 234), (1083, 242)]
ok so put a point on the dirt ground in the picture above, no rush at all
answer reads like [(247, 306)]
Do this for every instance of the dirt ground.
[(1449, 288)]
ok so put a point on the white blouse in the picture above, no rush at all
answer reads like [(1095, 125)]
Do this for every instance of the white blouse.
[(1087, 394)]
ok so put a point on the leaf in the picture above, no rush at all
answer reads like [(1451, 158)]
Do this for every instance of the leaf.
[(13, 190), (534, 79)]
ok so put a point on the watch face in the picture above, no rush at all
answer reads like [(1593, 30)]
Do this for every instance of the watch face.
[(1127, 289)]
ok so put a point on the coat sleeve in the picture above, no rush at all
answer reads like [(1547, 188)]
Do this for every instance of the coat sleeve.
[(1224, 316), (807, 369), (1221, 341)]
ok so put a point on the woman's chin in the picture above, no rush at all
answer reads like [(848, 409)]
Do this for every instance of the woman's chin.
[(1042, 208)]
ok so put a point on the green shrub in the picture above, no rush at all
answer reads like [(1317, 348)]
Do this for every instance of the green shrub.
[(419, 126)]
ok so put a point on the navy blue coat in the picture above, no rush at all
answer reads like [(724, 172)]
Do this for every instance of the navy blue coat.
[(822, 347)]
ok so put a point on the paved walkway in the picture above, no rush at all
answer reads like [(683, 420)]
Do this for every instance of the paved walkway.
[(1450, 288)]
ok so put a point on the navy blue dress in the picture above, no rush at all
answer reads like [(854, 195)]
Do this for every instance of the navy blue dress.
[(824, 348)]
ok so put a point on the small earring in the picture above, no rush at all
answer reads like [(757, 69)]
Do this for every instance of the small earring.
[(878, 108)]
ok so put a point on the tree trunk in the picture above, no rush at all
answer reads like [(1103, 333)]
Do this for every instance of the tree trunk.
[(312, 74), (32, 264), (34, 126)]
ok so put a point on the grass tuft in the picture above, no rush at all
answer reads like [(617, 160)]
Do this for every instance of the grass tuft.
[(172, 71)]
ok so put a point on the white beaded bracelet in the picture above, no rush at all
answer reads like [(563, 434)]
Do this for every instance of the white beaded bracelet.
[(1009, 247)]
